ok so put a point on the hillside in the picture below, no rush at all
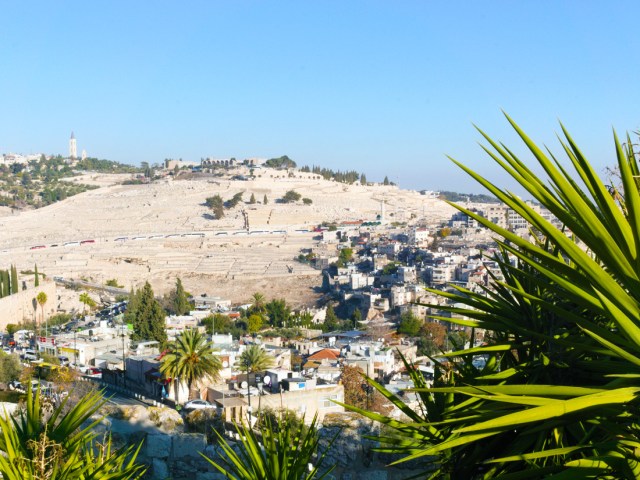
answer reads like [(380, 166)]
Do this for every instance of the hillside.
[(162, 230)]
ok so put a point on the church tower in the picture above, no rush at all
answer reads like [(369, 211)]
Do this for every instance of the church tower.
[(73, 149)]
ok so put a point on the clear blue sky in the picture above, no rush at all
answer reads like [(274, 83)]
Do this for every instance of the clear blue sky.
[(388, 88)]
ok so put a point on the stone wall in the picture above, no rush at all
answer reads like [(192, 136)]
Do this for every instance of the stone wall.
[(177, 456), (22, 306)]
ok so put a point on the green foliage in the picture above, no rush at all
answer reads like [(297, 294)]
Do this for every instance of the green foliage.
[(36, 278), (12, 328), (282, 453), (218, 323), (147, 316), (5, 284), (467, 197), (254, 359), (307, 201), (254, 323), (409, 324), (291, 196), (106, 166), (113, 283), (216, 204), (278, 312), (386, 180), (14, 279), (10, 367), (280, 163), (558, 397), (265, 200), (233, 201), (180, 300), (328, 174), (57, 445), (87, 301), (191, 359), (331, 321), (252, 200)]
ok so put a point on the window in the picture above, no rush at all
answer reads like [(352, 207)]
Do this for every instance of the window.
[(326, 402)]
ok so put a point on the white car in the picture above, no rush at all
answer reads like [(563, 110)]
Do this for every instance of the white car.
[(197, 405)]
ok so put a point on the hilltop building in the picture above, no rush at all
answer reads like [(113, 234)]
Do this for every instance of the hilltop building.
[(73, 147)]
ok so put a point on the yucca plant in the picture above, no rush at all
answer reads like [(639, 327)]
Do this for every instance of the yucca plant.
[(559, 395), (289, 452), (43, 443)]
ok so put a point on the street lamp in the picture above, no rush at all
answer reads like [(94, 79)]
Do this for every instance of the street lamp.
[(75, 348), (248, 364), (259, 384)]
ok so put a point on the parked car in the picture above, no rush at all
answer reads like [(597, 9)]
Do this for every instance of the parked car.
[(197, 405), (93, 372)]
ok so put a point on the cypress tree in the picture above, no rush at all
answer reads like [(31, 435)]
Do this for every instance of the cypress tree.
[(5, 283), (149, 323), (180, 301), (264, 200), (2, 287), (37, 280), (14, 279)]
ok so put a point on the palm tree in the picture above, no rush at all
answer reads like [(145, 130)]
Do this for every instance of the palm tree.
[(559, 396), (43, 444), (41, 298), (86, 299), (258, 303), (191, 360), (253, 359)]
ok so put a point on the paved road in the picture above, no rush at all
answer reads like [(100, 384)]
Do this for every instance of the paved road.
[(122, 399)]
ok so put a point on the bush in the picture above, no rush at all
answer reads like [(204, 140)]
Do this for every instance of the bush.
[(291, 196)]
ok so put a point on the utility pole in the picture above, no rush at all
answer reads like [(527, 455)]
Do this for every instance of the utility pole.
[(124, 363)]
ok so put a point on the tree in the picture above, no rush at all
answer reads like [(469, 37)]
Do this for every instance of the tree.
[(409, 324), (386, 180), (14, 279), (432, 338), (57, 445), (289, 452), (36, 280), (291, 196), (216, 204), (10, 367), (87, 301), (559, 386), (265, 200), (257, 303), (254, 359), (191, 359), (113, 282), (356, 317), (254, 323), (149, 317), (41, 298), (307, 201), (359, 393), (181, 303), (363, 179), (278, 312), (252, 199), (331, 321)]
